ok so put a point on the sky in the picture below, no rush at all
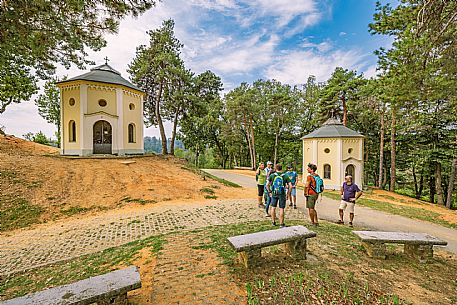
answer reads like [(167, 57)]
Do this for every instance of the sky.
[(241, 41)]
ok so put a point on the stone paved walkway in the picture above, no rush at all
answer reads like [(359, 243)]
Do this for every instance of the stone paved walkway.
[(68, 239)]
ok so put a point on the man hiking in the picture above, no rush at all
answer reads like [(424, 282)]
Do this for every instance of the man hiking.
[(350, 192), (277, 184), (293, 177), (261, 178), (311, 193)]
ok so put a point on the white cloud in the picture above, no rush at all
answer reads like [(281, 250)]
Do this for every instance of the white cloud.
[(296, 66)]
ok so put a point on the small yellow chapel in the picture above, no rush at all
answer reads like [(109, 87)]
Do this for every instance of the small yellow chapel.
[(337, 151), (101, 113)]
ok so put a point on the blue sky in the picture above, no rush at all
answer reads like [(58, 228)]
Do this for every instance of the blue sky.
[(241, 41)]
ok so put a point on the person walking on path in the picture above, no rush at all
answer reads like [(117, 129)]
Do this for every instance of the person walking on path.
[(293, 177), (277, 185), (350, 192), (261, 178), (268, 170), (311, 194)]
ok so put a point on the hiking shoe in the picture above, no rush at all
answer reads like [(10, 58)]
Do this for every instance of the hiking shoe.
[(290, 204), (295, 207), (350, 224), (267, 215), (283, 225), (316, 224), (274, 224), (340, 222)]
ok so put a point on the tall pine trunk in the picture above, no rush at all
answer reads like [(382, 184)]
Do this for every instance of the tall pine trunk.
[(248, 139), (393, 153), (276, 146), (345, 111), (159, 120), (438, 184), (381, 151), (173, 133), (450, 188), (253, 144)]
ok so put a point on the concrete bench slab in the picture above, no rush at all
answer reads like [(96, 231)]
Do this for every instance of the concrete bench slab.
[(249, 245), (109, 288), (416, 245)]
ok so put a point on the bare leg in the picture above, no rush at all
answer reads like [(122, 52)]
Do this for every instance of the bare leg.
[(295, 200), (273, 214), (311, 214), (281, 216), (315, 216), (351, 217), (341, 215)]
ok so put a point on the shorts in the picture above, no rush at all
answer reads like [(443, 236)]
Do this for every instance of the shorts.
[(260, 189), (293, 192), (349, 205), (281, 200), (311, 201)]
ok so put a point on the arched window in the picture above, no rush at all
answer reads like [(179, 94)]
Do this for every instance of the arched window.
[(131, 133), (72, 131), (327, 171), (350, 170)]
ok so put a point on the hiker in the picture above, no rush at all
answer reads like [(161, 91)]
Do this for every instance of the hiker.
[(261, 178), (350, 192), (277, 184), (293, 177), (313, 187), (267, 195)]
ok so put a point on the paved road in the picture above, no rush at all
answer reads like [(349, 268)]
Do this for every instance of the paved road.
[(364, 217)]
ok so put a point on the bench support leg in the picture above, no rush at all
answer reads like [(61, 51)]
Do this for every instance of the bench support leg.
[(375, 250), (250, 258), (296, 248), (116, 300), (419, 252)]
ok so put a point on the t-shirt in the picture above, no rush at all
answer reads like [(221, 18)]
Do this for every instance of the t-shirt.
[(311, 182), (349, 191), (262, 177), (293, 176), (285, 180)]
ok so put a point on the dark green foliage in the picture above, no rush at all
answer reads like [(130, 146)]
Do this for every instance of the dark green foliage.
[(42, 33)]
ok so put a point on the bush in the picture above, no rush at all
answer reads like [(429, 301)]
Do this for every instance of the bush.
[(41, 138)]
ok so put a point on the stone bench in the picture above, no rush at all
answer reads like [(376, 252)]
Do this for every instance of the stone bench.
[(416, 245), (249, 246), (109, 288)]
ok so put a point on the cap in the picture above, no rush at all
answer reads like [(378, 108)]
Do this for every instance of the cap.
[(269, 162), (289, 166)]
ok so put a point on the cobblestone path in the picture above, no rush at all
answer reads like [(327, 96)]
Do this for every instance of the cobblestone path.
[(191, 276), (47, 244)]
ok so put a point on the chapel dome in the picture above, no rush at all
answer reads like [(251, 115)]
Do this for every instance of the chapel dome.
[(104, 74), (333, 128)]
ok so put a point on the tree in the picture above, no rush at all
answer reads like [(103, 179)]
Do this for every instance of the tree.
[(42, 33), (49, 104), (341, 89), (155, 70)]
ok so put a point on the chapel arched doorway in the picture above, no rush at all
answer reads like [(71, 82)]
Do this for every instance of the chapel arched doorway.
[(102, 137), (350, 170)]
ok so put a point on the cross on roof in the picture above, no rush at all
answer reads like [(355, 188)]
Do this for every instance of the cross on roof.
[(106, 60)]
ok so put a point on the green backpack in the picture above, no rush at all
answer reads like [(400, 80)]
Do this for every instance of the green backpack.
[(278, 185)]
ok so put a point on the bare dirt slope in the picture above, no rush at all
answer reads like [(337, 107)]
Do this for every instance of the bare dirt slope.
[(35, 177)]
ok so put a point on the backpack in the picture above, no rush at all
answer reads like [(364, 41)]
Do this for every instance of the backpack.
[(319, 184), (278, 185)]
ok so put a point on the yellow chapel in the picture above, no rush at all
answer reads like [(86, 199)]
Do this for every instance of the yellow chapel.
[(337, 151), (101, 113)]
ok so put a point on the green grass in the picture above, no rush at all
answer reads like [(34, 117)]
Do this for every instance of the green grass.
[(76, 269), (207, 175), (17, 212), (207, 190), (138, 200), (406, 211)]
